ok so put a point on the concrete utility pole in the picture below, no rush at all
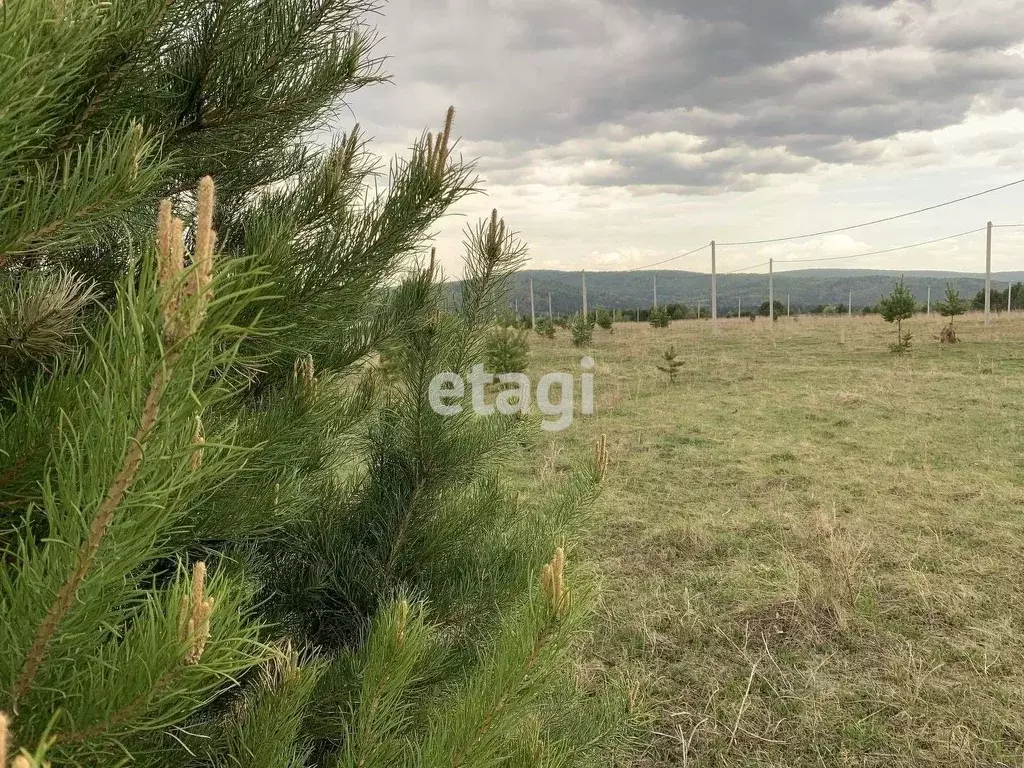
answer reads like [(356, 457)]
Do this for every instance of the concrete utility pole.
[(787, 305), (533, 311), (698, 310), (739, 308), (988, 275), (851, 303), (771, 289), (1009, 298), (551, 314), (714, 285), (585, 311), (929, 312), (655, 291)]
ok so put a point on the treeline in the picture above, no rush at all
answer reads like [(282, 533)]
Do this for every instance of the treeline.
[(807, 290)]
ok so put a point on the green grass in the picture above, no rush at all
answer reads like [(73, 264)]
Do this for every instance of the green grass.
[(811, 552)]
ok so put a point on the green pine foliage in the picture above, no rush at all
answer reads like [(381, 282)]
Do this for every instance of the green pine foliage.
[(659, 317), (582, 329), (896, 307), (951, 307), (508, 350), (225, 538), (546, 327), (670, 364), (606, 320)]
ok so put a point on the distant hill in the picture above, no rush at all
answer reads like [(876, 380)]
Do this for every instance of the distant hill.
[(806, 288)]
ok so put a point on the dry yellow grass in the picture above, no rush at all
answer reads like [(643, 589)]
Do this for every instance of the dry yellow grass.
[(811, 551)]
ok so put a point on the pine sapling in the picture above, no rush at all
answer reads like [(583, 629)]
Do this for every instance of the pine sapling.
[(659, 317), (582, 329), (898, 306), (508, 350), (951, 307), (670, 364), (546, 328)]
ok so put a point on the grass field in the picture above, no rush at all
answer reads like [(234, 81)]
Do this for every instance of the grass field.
[(810, 551)]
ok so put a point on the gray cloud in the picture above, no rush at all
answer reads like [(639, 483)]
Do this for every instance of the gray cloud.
[(761, 87)]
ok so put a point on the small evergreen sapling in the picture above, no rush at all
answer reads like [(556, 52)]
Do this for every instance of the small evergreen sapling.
[(582, 329), (546, 328), (605, 320), (951, 308), (670, 364), (659, 317), (508, 350), (898, 306)]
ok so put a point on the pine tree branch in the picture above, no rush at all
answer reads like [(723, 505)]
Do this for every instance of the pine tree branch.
[(27, 241), (122, 715), (97, 531), (195, 99), (547, 632), (403, 531)]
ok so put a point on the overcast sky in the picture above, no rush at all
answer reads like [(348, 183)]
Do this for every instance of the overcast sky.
[(615, 133)]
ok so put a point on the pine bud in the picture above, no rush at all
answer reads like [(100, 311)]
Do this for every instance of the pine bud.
[(400, 623), (495, 236), (171, 249), (432, 265), (202, 262), (303, 372), (198, 440), (194, 616), (601, 457), (552, 580)]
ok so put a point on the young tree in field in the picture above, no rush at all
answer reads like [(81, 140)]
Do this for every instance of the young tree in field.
[(546, 327), (765, 309), (659, 317), (582, 329), (605, 320), (898, 306), (670, 364), (225, 539), (508, 350), (951, 307)]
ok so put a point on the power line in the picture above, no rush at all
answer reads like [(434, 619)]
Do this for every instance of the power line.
[(744, 269), (887, 250), (674, 258), (877, 221)]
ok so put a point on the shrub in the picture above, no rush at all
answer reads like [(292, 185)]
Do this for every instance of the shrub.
[(582, 329), (605, 320)]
